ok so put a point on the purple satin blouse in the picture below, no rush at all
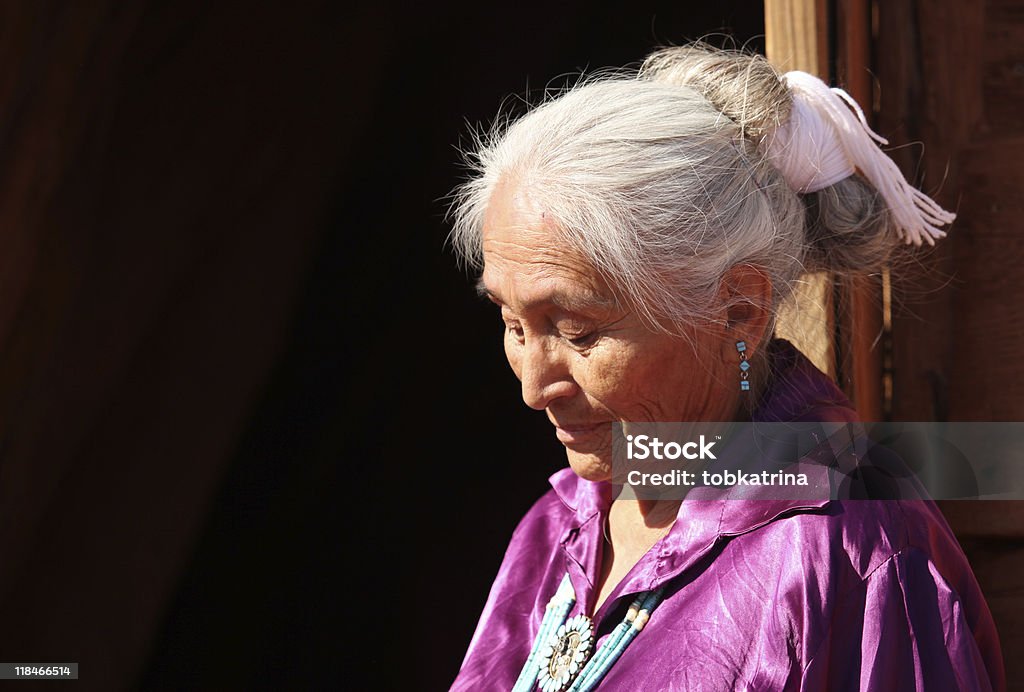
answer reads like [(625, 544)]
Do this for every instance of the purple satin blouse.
[(761, 594)]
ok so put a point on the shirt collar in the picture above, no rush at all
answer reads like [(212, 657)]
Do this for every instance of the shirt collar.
[(584, 498)]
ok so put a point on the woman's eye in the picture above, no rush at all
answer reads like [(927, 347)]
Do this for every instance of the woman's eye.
[(583, 340)]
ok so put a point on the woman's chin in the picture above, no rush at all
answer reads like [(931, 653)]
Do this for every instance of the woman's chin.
[(590, 467)]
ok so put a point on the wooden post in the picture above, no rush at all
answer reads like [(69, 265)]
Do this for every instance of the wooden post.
[(796, 34), (860, 326), (796, 37)]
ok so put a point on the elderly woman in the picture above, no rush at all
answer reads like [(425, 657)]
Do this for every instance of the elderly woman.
[(639, 234)]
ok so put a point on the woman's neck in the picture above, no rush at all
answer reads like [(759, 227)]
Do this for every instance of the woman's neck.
[(629, 520), (634, 526)]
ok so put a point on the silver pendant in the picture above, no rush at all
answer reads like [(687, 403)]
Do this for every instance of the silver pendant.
[(565, 654)]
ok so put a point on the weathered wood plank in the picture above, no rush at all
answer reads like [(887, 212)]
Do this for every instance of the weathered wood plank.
[(796, 38), (796, 34), (860, 328), (948, 77)]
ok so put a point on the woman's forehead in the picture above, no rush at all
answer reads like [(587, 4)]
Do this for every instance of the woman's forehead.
[(514, 215), (528, 262)]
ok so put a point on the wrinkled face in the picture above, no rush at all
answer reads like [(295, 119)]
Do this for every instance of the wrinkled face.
[(582, 360)]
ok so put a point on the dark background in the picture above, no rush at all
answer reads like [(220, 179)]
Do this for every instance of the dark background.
[(256, 431), (391, 445)]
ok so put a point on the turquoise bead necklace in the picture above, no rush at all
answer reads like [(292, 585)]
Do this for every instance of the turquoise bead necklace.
[(558, 658)]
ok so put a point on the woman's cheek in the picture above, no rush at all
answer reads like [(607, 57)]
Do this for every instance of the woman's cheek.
[(605, 374)]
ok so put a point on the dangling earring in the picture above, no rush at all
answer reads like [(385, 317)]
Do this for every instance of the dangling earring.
[(741, 347)]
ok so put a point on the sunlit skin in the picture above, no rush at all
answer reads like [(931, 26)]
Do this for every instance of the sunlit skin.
[(586, 360)]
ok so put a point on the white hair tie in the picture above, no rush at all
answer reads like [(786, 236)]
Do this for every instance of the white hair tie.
[(828, 138)]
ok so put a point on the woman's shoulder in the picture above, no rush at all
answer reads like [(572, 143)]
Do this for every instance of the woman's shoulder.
[(895, 562), (861, 535)]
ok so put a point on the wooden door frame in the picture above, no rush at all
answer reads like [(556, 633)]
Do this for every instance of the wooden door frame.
[(851, 343)]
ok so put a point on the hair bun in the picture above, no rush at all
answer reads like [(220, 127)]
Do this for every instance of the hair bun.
[(742, 86), (815, 135), (849, 228)]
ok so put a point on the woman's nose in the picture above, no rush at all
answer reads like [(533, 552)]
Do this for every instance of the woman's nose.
[(545, 374)]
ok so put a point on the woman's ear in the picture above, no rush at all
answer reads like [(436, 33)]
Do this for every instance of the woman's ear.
[(746, 295)]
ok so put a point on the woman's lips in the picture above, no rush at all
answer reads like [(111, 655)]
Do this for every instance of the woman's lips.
[(576, 434)]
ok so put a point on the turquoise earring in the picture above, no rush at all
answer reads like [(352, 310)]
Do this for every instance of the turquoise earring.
[(741, 347)]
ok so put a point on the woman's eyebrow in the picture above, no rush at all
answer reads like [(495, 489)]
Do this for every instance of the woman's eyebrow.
[(484, 292), (570, 302)]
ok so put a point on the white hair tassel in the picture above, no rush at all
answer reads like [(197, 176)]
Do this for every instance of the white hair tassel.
[(828, 138)]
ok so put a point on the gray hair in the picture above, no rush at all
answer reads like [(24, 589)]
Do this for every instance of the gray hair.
[(657, 179)]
